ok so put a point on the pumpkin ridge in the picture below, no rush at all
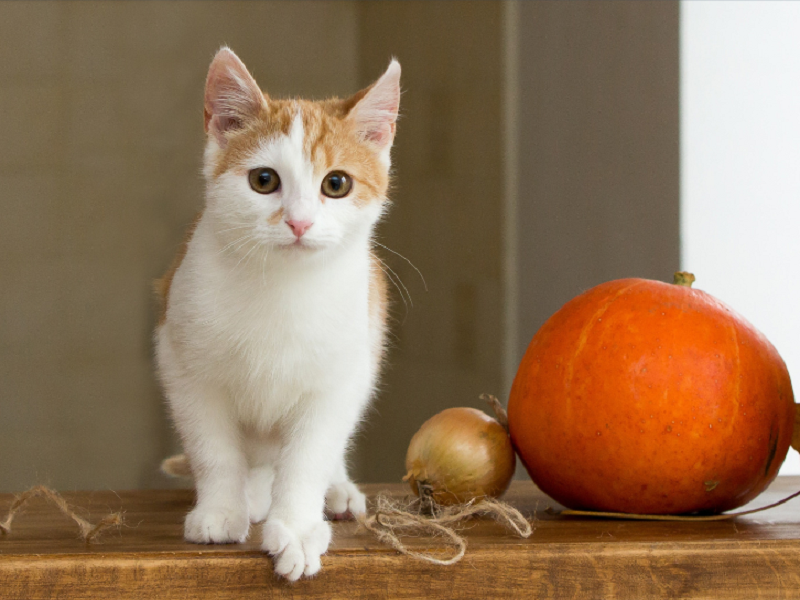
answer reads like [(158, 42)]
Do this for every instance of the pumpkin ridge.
[(583, 337), (737, 379)]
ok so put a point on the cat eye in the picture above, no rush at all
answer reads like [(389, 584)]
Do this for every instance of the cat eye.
[(337, 184), (264, 180)]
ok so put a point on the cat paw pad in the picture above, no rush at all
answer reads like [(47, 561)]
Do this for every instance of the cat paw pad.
[(216, 526), (345, 501), (296, 552)]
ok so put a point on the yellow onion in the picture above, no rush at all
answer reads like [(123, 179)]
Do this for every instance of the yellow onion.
[(459, 455)]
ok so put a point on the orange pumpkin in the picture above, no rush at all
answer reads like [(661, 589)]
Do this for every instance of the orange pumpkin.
[(645, 397)]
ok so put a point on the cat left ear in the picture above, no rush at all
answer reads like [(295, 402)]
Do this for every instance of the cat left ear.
[(375, 108), (232, 95)]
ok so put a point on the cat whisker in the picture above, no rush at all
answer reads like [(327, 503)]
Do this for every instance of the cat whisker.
[(398, 279), (230, 244), (247, 254), (405, 259), (247, 239), (394, 283), (402, 297), (250, 254), (242, 226)]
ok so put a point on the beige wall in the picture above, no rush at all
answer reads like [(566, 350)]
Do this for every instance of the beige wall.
[(447, 216), (100, 146), (598, 150), (100, 150)]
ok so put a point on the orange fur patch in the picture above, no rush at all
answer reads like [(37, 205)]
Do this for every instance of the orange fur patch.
[(163, 285), (276, 217), (274, 118), (331, 142)]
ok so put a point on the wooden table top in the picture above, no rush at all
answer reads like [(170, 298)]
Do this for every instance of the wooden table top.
[(566, 557)]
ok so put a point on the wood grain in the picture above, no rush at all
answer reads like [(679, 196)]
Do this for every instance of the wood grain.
[(751, 557)]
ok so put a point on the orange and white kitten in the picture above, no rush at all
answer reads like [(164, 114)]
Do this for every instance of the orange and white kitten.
[(273, 332)]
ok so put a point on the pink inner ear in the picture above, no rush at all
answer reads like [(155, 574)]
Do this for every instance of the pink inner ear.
[(231, 96), (380, 134), (219, 125), (376, 113)]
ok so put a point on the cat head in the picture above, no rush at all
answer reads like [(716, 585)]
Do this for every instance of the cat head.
[(295, 176)]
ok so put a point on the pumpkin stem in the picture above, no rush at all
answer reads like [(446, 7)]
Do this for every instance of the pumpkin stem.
[(683, 278)]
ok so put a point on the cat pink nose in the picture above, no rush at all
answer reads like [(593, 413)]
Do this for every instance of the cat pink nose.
[(299, 227)]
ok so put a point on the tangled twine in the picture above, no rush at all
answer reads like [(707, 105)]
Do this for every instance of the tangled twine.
[(394, 519), (88, 531)]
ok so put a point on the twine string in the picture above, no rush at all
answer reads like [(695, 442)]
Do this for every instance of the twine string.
[(639, 517), (89, 531), (393, 520)]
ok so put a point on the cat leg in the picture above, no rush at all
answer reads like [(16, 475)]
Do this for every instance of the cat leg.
[(295, 533), (212, 443), (344, 501), (259, 492), (262, 452)]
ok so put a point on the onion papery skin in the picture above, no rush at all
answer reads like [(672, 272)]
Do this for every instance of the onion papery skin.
[(459, 455)]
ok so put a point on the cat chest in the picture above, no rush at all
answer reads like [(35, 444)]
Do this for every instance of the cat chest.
[(284, 337), (272, 330), (283, 356)]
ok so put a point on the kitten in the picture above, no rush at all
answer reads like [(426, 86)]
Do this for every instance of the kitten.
[(274, 314)]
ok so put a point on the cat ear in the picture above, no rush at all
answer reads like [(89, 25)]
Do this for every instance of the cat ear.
[(374, 110), (232, 95)]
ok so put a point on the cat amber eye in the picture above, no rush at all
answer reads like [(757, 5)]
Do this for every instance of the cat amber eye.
[(264, 180), (337, 184)]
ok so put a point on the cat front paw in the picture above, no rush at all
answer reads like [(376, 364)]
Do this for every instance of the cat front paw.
[(344, 501), (216, 526), (296, 551)]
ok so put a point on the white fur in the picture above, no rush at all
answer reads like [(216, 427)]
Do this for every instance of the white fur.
[(267, 355)]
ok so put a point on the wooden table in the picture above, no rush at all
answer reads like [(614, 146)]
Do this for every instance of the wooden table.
[(751, 557)]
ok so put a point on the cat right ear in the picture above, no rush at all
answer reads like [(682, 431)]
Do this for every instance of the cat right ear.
[(232, 96)]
